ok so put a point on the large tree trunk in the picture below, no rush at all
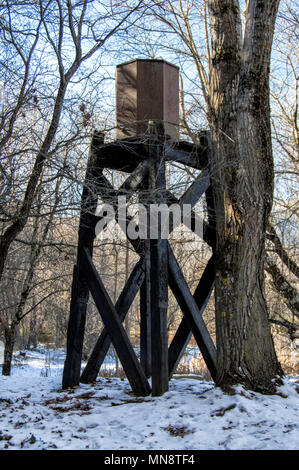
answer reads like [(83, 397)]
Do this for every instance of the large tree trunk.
[(243, 187), (9, 335)]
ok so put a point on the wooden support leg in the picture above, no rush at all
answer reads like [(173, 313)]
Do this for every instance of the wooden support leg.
[(158, 273), (115, 329), (80, 291), (183, 335), (145, 317), (122, 306), (159, 303), (75, 334), (211, 229)]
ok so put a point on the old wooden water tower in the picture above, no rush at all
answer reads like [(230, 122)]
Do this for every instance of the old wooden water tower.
[(147, 112)]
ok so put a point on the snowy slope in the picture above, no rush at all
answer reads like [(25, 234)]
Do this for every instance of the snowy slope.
[(36, 414)]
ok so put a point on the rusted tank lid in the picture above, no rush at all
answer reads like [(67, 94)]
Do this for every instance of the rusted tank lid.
[(148, 60)]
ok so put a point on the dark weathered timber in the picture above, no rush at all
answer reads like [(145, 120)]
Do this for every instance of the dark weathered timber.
[(123, 155), (196, 189), (183, 335), (80, 292), (145, 316), (135, 179), (129, 186), (115, 329), (191, 312), (75, 335), (158, 272), (189, 199), (208, 231), (211, 226), (194, 155), (210, 201), (126, 154), (145, 292), (122, 306), (174, 153)]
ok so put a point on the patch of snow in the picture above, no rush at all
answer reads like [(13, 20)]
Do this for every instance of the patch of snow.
[(194, 415)]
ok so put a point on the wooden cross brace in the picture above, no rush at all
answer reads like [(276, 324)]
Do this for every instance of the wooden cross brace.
[(156, 269)]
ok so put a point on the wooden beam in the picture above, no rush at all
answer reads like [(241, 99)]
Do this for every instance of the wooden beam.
[(124, 302), (133, 150), (135, 179), (145, 316), (208, 231), (115, 329), (210, 196), (75, 334), (172, 153), (191, 312), (196, 189), (183, 335), (187, 153), (128, 187), (122, 155), (158, 268)]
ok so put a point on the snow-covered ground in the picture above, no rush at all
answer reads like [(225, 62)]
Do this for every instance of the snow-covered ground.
[(36, 414)]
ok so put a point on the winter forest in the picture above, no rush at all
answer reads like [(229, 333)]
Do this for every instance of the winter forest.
[(111, 341)]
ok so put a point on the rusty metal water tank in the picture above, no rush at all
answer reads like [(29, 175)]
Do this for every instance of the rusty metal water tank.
[(147, 90)]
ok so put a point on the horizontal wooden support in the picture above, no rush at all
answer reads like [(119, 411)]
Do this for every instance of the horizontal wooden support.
[(122, 155), (126, 154), (122, 306), (183, 335), (191, 312), (115, 329)]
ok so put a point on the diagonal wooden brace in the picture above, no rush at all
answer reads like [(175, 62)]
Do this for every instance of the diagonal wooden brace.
[(122, 306), (80, 292), (191, 312), (183, 335), (115, 329)]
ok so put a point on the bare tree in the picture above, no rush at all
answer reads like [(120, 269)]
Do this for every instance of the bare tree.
[(67, 36), (51, 58), (231, 53)]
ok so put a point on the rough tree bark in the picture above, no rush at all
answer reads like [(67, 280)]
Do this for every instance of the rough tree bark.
[(242, 171), (9, 335)]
